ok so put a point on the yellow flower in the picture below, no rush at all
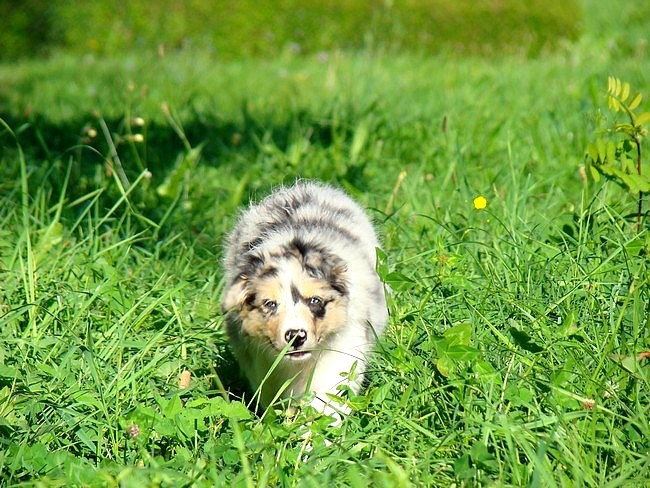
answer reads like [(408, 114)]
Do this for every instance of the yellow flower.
[(480, 202)]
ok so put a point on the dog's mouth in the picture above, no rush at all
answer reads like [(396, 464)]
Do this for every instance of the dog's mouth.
[(298, 355), (292, 354)]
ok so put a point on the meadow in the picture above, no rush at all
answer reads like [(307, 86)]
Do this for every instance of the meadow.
[(517, 352)]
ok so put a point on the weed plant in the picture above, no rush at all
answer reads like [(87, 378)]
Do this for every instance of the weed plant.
[(518, 345)]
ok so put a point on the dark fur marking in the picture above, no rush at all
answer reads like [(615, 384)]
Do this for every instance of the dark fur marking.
[(294, 202), (337, 281), (320, 225), (325, 227), (318, 310), (319, 264), (314, 272), (251, 265), (249, 301), (270, 272), (250, 245), (295, 294), (300, 246)]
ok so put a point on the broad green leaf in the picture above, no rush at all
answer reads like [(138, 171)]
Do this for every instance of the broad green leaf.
[(197, 403), (185, 425), (623, 128), (230, 457), (9, 372), (445, 365), (592, 151), (636, 101), (398, 281), (625, 92), (636, 247), (633, 182), (486, 371), (594, 173), (380, 394), (171, 407), (165, 427), (458, 334), (479, 452), (460, 352), (642, 118), (382, 264), (236, 411), (142, 416), (463, 469), (637, 183), (611, 84), (218, 407), (609, 170)]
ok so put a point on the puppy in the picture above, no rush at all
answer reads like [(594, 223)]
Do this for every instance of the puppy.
[(302, 299)]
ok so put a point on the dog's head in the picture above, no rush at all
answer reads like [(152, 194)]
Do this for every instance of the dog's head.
[(296, 295)]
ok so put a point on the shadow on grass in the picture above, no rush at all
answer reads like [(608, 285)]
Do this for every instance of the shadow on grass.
[(233, 153), (42, 139)]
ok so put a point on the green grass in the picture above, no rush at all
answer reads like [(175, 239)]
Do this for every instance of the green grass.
[(512, 356), (250, 28)]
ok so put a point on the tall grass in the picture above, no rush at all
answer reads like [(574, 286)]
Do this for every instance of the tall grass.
[(518, 340)]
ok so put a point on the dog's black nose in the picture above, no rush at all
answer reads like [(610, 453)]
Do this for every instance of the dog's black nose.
[(298, 336)]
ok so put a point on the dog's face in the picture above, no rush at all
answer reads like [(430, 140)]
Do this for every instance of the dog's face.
[(290, 298)]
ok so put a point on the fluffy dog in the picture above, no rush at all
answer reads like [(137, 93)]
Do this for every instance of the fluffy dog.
[(303, 302)]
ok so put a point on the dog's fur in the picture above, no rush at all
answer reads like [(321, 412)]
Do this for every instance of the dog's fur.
[(300, 283)]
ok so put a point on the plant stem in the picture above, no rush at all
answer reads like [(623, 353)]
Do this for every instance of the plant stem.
[(638, 170)]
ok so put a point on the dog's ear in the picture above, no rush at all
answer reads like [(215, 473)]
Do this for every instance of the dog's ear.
[(235, 296)]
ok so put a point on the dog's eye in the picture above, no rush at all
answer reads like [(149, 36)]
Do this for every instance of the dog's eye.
[(317, 306), (270, 305)]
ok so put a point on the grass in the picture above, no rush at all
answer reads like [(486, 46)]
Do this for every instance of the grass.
[(517, 348), (248, 28)]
